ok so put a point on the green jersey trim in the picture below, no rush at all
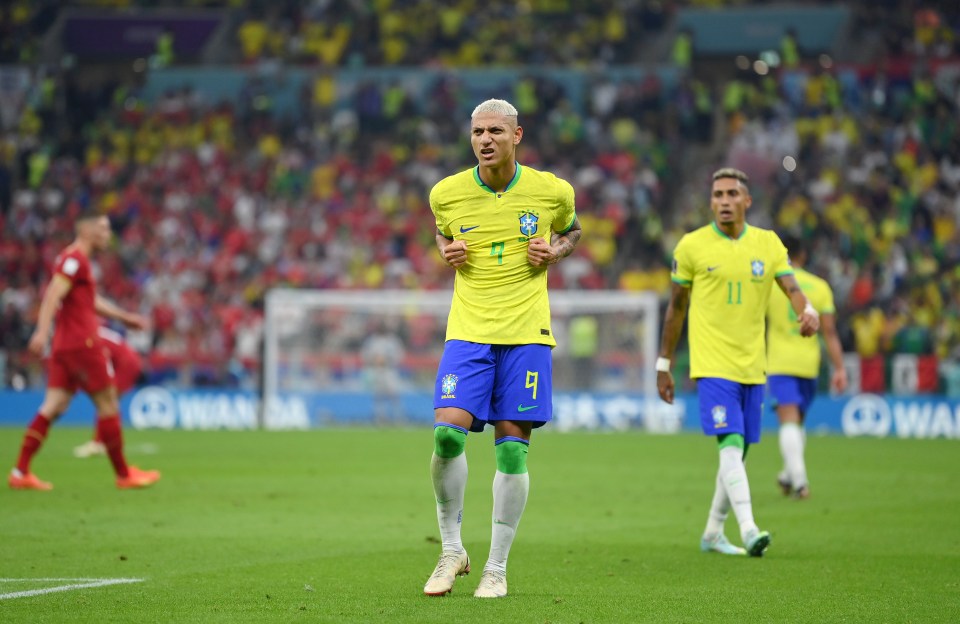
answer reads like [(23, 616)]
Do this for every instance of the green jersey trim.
[(781, 274), (483, 185), (716, 228), (682, 282)]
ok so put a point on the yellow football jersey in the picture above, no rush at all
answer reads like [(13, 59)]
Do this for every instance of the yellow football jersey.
[(498, 297), (730, 281), (789, 353)]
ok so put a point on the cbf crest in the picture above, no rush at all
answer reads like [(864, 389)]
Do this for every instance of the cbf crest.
[(529, 224), (719, 414), (756, 268), (448, 386)]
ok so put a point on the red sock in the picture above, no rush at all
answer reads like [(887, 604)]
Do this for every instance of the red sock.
[(108, 428), (32, 441)]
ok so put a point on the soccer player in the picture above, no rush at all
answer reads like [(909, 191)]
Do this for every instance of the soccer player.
[(78, 358), (793, 366), (127, 368), (724, 272), (493, 225)]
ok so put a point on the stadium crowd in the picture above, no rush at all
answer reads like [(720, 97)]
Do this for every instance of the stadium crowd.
[(215, 202)]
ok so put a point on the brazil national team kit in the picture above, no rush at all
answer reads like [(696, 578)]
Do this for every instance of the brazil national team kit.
[(793, 362), (731, 287), (499, 301)]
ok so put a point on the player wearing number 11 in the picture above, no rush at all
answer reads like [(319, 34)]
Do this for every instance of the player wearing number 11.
[(724, 272), (499, 225)]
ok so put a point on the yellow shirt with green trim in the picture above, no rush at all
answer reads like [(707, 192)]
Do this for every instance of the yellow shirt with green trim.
[(730, 282), (789, 353), (498, 297)]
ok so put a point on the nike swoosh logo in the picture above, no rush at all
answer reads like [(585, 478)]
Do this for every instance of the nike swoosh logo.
[(495, 521), (521, 408), (464, 230), (713, 268)]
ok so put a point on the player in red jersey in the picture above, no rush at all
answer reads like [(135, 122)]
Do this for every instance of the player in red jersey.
[(127, 367), (78, 358)]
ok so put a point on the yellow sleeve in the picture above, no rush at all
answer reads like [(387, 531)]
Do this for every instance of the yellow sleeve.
[(439, 214), (566, 210), (683, 266), (781, 263)]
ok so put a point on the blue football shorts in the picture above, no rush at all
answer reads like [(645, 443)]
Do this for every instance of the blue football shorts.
[(730, 407), (496, 382), (789, 390)]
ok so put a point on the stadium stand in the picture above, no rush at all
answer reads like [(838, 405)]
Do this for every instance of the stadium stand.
[(314, 170)]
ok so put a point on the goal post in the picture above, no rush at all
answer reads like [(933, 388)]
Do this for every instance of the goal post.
[(370, 356)]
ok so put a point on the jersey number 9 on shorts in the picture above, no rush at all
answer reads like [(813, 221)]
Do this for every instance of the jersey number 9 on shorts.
[(531, 382)]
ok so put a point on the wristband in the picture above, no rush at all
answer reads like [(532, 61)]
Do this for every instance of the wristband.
[(809, 309), (663, 365)]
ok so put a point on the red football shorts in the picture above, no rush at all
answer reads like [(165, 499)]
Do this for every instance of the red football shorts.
[(88, 369), (126, 367)]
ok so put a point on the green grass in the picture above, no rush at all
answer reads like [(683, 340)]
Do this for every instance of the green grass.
[(340, 526)]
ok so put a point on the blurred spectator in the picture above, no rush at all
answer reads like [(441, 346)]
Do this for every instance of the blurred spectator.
[(216, 202)]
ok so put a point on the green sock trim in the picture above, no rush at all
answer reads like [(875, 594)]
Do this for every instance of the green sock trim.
[(448, 442), (731, 439), (512, 457)]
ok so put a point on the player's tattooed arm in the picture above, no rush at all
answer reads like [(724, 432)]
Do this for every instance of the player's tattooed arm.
[(673, 320), (540, 253), (564, 244), (672, 326)]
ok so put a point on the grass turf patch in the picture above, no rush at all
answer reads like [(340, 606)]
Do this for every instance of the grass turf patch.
[(339, 526)]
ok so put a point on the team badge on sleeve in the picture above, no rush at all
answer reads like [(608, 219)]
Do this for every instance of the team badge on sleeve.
[(719, 413), (448, 386), (528, 224), (70, 266)]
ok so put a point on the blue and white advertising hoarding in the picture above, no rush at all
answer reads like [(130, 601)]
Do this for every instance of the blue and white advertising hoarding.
[(157, 407)]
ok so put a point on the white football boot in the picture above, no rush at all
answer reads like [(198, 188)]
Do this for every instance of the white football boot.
[(450, 566), (493, 584)]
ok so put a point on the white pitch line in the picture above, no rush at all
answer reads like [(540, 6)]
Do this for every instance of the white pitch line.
[(83, 584)]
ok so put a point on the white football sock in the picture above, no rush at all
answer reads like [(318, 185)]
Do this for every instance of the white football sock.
[(733, 473), (719, 509), (509, 498), (449, 483), (791, 447)]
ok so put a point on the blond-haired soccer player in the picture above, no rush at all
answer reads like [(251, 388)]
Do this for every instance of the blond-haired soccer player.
[(499, 225), (793, 366), (724, 272)]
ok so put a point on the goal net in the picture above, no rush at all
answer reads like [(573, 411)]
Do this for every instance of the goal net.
[(370, 357)]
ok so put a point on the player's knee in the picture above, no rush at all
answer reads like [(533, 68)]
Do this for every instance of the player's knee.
[(448, 440), (512, 455)]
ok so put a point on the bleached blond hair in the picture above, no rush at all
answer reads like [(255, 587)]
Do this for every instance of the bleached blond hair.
[(735, 174), (495, 107)]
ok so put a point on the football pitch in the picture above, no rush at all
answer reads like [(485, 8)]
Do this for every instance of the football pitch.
[(339, 526)]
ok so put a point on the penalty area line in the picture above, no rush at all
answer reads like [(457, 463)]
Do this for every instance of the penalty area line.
[(74, 583)]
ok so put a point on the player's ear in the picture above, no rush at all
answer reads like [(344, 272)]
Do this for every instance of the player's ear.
[(517, 135)]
